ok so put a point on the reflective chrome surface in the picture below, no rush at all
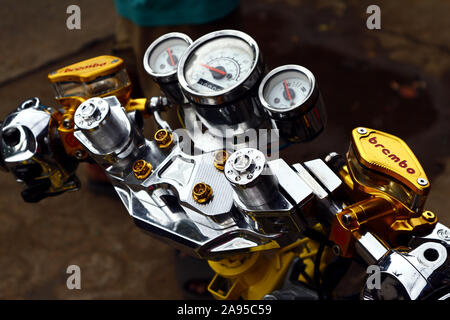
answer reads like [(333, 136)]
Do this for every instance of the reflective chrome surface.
[(370, 248), (229, 94), (209, 137), (161, 43), (167, 81), (27, 142), (234, 220), (303, 119), (251, 177), (422, 273), (233, 110)]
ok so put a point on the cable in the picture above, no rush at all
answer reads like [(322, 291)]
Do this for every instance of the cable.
[(317, 260), (180, 118)]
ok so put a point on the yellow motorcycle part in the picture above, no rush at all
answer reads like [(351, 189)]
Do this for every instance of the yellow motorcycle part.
[(251, 276), (391, 187), (96, 77), (381, 161), (87, 70)]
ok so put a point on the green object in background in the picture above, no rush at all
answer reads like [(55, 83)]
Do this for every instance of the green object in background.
[(174, 12)]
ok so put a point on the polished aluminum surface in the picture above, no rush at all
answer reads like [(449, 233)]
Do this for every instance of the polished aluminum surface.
[(208, 137), (36, 146), (320, 192), (370, 248), (324, 174), (420, 273), (32, 124), (102, 126), (251, 177)]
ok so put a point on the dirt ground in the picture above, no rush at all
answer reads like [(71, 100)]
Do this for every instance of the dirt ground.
[(396, 79)]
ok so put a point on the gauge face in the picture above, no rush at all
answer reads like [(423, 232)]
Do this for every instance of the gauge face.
[(164, 53), (219, 64), (287, 89)]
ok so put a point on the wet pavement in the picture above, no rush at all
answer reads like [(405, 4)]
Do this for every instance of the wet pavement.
[(395, 79)]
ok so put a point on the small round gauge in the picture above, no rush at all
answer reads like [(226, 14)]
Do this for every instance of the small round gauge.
[(291, 97), (163, 55), (219, 66), (286, 88)]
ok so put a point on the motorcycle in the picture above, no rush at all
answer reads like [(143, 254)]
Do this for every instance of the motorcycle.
[(217, 188)]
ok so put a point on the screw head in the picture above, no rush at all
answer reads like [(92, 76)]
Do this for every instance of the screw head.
[(163, 138), (67, 124), (220, 157), (429, 216), (79, 154), (202, 192), (444, 234), (336, 250), (361, 130), (422, 181), (142, 169)]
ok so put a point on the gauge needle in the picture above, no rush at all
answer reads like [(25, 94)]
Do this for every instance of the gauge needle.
[(170, 56), (213, 69), (287, 90)]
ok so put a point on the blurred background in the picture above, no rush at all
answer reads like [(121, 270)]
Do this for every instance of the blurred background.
[(396, 79)]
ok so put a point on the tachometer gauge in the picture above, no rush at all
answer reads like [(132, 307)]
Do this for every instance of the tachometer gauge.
[(290, 96), (161, 62), (219, 67)]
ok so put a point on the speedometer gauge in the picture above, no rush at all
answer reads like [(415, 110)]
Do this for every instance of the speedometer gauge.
[(219, 67), (290, 96)]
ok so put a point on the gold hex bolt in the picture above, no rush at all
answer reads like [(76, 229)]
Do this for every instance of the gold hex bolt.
[(163, 138), (142, 169), (219, 159), (202, 192)]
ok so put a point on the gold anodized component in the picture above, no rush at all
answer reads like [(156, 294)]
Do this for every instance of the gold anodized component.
[(429, 216), (389, 155), (202, 192), (163, 138), (387, 187), (87, 70), (220, 158), (142, 169)]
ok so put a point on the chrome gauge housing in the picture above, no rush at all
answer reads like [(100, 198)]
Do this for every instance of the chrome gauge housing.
[(286, 89), (162, 56), (220, 67), (291, 97), (161, 61)]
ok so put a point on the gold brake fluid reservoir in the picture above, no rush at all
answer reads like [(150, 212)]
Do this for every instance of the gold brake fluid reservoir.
[(96, 77), (381, 162)]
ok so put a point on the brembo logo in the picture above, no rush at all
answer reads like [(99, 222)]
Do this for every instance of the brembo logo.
[(89, 66), (392, 156)]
